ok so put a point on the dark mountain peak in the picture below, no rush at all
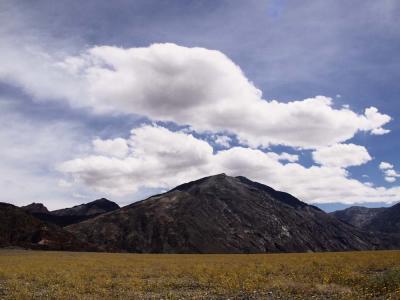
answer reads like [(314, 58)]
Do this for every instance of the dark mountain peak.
[(220, 175), (103, 203), (196, 183), (224, 183), (101, 200), (34, 208), (92, 208)]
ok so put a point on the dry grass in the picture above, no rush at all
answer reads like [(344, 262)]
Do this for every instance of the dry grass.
[(67, 275)]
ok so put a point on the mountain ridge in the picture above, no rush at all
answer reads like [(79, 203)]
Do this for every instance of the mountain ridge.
[(383, 219), (214, 214), (223, 214), (18, 228), (71, 215)]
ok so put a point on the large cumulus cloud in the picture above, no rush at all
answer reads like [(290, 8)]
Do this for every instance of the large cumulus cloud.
[(198, 87), (206, 90)]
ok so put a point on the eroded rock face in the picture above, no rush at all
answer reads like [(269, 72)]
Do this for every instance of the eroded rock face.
[(222, 214)]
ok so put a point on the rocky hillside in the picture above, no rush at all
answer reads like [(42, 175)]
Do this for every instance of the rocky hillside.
[(386, 221), (357, 216), (20, 229), (222, 214)]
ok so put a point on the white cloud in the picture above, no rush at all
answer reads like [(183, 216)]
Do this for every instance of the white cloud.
[(385, 165), (189, 86), (64, 184), (117, 147), (380, 131), (223, 140), (161, 158), (29, 150), (341, 155), (37, 73), (390, 179), (375, 118), (158, 158), (388, 171), (283, 156), (391, 173)]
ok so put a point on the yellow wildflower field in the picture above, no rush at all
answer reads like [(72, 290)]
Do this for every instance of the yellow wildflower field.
[(72, 275)]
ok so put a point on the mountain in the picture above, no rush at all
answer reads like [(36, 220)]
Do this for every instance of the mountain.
[(20, 229), (386, 221), (76, 214), (357, 216), (223, 214), (90, 209), (36, 208)]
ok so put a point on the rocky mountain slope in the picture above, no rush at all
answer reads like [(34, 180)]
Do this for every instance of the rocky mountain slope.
[(76, 214), (357, 216), (385, 219), (20, 229), (222, 214)]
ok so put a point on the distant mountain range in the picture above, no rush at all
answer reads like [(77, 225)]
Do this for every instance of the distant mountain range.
[(216, 214), (372, 219), (20, 229)]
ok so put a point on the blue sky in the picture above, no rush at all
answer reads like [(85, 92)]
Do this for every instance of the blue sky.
[(289, 50)]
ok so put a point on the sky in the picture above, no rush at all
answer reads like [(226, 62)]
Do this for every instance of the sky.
[(125, 99)]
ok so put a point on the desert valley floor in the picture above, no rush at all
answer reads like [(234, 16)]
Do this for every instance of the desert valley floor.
[(72, 275)]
